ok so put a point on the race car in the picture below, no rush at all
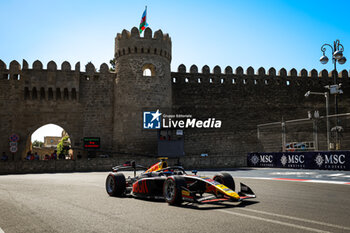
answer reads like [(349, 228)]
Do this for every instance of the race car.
[(173, 184)]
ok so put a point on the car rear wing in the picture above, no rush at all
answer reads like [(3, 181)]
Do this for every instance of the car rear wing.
[(129, 167)]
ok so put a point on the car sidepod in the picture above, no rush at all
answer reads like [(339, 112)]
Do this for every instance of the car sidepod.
[(150, 187)]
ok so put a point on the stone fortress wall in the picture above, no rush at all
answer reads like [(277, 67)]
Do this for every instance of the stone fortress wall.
[(109, 105), (245, 99), (79, 102)]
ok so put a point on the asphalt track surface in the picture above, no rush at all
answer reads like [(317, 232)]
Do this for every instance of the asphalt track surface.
[(78, 202)]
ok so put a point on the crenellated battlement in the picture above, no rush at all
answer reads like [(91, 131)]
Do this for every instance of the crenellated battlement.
[(15, 70), (38, 83), (261, 72), (51, 66), (127, 43), (258, 77)]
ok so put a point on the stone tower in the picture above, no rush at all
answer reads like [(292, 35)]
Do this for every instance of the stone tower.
[(136, 92)]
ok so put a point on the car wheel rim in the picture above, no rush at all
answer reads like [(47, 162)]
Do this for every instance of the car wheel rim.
[(110, 184), (169, 190)]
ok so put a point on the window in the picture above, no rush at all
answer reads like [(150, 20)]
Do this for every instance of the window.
[(42, 93), (50, 95), (58, 93), (34, 94), (65, 94), (148, 70), (26, 93), (74, 94)]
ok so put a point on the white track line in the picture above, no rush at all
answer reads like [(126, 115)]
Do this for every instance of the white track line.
[(297, 219), (274, 221), (337, 174), (1, 231), (327, 182)]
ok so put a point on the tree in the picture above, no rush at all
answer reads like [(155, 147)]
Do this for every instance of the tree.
[(63, 146), (112, 63), (37, 143)]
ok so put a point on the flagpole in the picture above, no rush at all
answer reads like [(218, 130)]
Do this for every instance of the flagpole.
[(146, 17), (145, 21)]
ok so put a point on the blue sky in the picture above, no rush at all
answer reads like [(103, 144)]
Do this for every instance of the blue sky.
[(247, 33)]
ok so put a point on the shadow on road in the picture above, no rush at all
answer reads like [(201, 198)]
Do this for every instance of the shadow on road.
[(214, 206), (196, 206)]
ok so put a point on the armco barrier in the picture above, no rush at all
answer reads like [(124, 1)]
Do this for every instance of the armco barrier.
[(324, 160)]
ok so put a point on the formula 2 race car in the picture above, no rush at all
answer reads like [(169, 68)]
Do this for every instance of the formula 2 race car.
[(171, 183)]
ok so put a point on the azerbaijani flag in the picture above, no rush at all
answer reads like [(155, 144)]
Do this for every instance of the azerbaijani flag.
[(143, 23)]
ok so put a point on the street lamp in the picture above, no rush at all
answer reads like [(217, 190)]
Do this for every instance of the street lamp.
[(325, 94), (337, 56), (337, 51)]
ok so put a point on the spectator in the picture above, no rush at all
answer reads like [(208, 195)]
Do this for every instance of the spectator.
[(4, 157), (61, 156), (36, 156), (47, 157), (29, 155), (54, 155)]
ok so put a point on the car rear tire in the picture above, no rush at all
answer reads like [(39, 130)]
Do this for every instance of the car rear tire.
[(172, 190), (115, 184), (225, 179)]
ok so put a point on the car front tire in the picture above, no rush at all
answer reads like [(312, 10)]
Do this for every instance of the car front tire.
[(225, 179), (172, 190), (115, 184)]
